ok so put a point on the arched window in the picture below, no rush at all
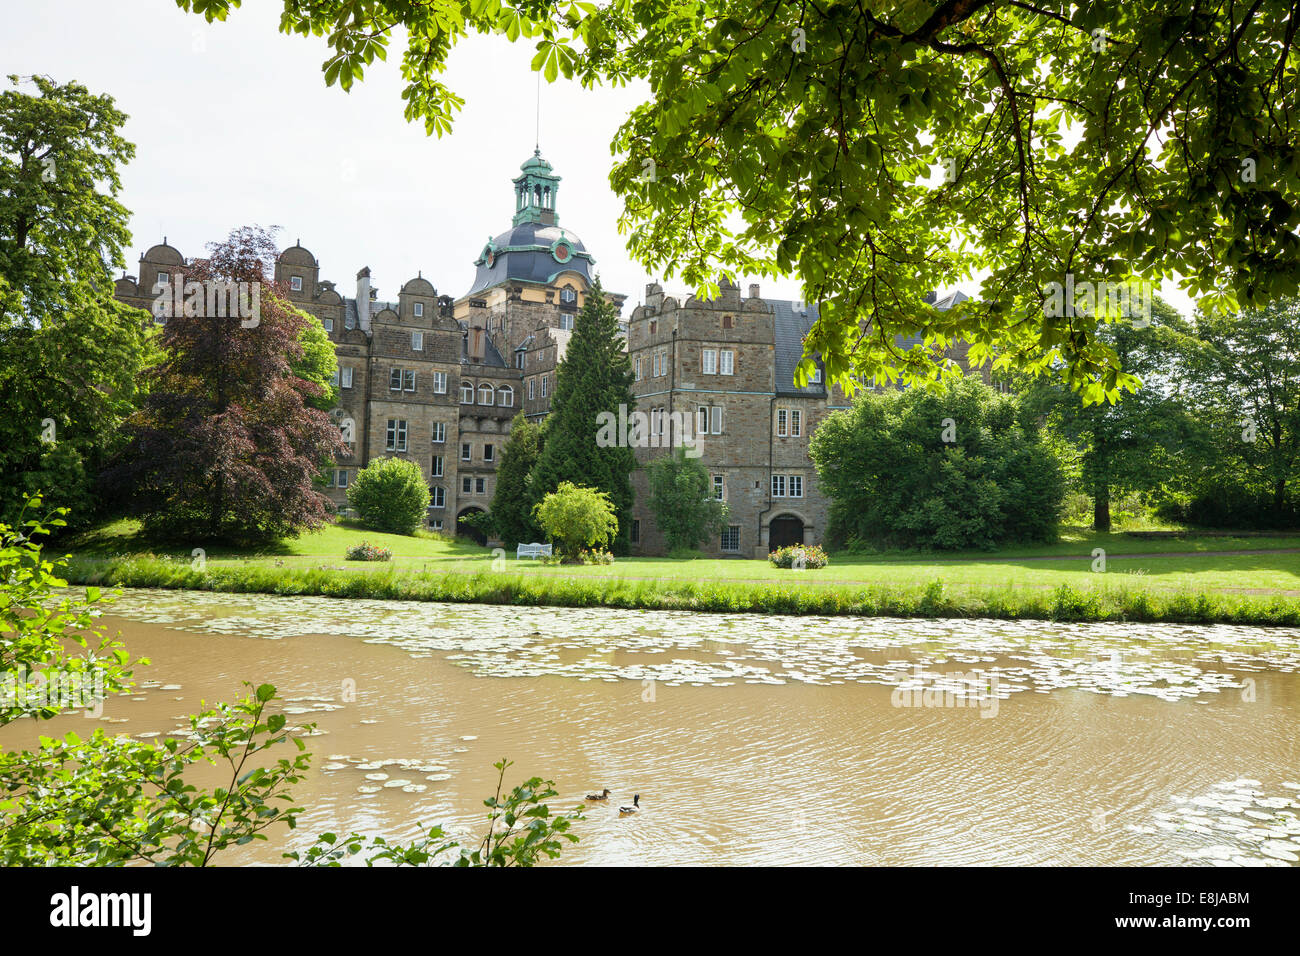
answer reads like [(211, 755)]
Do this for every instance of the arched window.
[(506, 396), (485, 394), (467, 393)]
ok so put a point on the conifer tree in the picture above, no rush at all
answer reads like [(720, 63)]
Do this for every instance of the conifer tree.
[(512, 502), (594, 377)]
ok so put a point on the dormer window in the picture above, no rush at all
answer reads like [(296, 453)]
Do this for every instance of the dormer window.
[(419, 310), (295, 283), (568, 296)]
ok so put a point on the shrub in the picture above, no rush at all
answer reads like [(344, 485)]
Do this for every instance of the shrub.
[(799, 556), (961, 467), (366, 551), (595, 556), (576, 518), (390, 495)]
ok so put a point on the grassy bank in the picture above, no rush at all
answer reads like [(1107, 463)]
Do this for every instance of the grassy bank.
[(1113, 598)]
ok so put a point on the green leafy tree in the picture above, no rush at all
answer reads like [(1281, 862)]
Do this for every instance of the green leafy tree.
[(512, 501), (847, 143), (960, 466), (70, 354), (1247, 399), (577, 518), (319, 363), (594, 379), (682, 500), (225, 446), (390, 495), (1138, 444)]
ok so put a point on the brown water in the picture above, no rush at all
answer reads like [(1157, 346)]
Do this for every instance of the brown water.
[(753, 739)]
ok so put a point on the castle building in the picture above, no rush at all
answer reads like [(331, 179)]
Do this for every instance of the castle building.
[(438, 380)]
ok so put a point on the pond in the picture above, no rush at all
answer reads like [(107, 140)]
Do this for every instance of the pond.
[(752, 739)]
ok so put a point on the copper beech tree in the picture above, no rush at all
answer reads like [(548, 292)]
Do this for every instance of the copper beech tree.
[(226, 446)]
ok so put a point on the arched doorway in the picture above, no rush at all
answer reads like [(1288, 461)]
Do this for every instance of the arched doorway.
[(784, 530), (468, 530)]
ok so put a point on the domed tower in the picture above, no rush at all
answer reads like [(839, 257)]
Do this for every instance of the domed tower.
[(533, 276)]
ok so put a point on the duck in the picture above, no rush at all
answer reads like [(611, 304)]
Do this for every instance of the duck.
[(636, 805), (603, 795)]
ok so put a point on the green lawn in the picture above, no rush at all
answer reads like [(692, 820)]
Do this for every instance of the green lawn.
[(1067, 561)]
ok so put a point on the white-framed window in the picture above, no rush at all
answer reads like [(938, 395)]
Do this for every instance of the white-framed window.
[(709, 361), (435, 469), (295, 283), (465, 451), (397, 434), (466, 483), (417, 338), (637, 368), (816, 377), (796, 423), (345, 376), (334, 377), (708, 418), (395, 380), (654, 365), (488, 452), (328, 323), (163, 279), (439, 432), (408, 380), (719, 487), (778, 486), (506, 396), (419, 309), (440, 383), (726, 362), (530, 389), (436, 523), (466, 393), (486, 394), (566, 321), (341, 478), (796, 486), (731, 538), (545, 381), (782, 422), (437, 498)]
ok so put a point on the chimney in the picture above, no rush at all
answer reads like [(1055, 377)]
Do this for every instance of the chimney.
[(477, 343), (753, 291), (363, 299)]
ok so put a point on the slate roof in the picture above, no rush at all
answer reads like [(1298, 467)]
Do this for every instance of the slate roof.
[(794, 319), (523, 253)]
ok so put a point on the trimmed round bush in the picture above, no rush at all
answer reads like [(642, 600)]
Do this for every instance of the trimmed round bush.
[(390, 495)]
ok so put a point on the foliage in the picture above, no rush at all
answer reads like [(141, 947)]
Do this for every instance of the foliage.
[(1248, 403), (799, 557), (1100, 141), (1139, 443), (512, 500), (681, 497), (70, 354), (319, 363), (594, 378), (595, 557), (961, 467), (225, 446), (390, 495), (480, 521), (576, 518), (521, 830), (368, 552)]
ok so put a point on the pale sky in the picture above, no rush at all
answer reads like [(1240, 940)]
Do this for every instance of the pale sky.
[(233, 125)]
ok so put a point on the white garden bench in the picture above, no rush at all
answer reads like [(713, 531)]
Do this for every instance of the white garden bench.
[(533, 550)]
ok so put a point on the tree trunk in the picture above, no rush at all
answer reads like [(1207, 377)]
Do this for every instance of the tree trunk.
[(1101, 507)]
